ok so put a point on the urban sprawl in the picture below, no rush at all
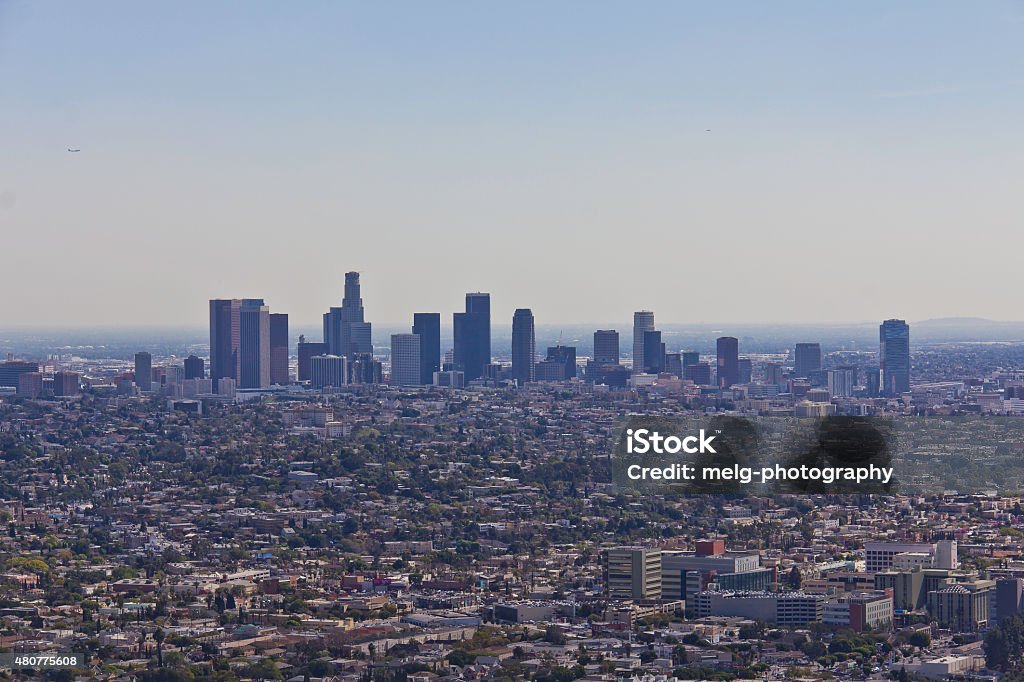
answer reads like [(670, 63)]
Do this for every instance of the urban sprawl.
[(338, 510)]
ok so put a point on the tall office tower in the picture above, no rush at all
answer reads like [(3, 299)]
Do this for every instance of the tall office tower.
[(840, 382), (346, 331), (633, 573), (653, 352), (363, 369), (144, 371), (30, 384), (894, 357), (643, 321), (66, 383), (1009, 597), (254, 346), (728, 361), (745, 370), (773, 373), (689, 357), (473, 336), (428, 326), (172, 374), (674, 364), (328, 371), (854, 372), (606, 347), (699, 373), (279, 349), (524, 347), (807, 359), (307, 350), (405, 360), (226, 387), (12, 369), (873, 381), (225, 339), (195, 368), (560, 362)]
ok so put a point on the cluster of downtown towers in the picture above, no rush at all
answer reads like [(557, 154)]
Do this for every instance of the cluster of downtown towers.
[(249, 345)]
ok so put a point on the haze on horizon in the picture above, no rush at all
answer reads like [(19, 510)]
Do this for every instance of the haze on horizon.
[(735, 162)]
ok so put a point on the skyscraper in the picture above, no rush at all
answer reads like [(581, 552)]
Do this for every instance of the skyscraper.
[(772, 373), (12, 369), (225, 339), (473, 336), (144, 371), (654, 352), (606, 347), (279, 349), (699, 373), (840, 382), (524, 347), (67, 383), (873, 381), (30, 384), (643, 321), (254, 345), (328, 371), (428, 327), (894, 357), (194, 368), (728, 361), (673, 364), (346, 331), (364, 369), (405, 360), (559, 365), (307, 350), (807, 359), (744, 370)]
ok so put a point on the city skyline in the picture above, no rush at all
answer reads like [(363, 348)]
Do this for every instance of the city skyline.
[(247, 341), (555, 342), (346, 332), (748, 143)]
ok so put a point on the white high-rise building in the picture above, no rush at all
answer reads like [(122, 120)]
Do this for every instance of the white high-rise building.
[(643, 321), (405, 360), (328, 370), (840, 382), (174, 374)]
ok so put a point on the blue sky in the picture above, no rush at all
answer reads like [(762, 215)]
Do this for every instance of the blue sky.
[(863, 161)]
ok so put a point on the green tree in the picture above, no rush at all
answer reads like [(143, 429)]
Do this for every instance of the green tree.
[(159, 637)]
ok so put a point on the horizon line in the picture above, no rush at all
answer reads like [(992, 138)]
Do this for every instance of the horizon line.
[(597, 325)]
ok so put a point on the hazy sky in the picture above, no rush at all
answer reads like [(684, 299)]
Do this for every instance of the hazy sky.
[(865, 159)]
